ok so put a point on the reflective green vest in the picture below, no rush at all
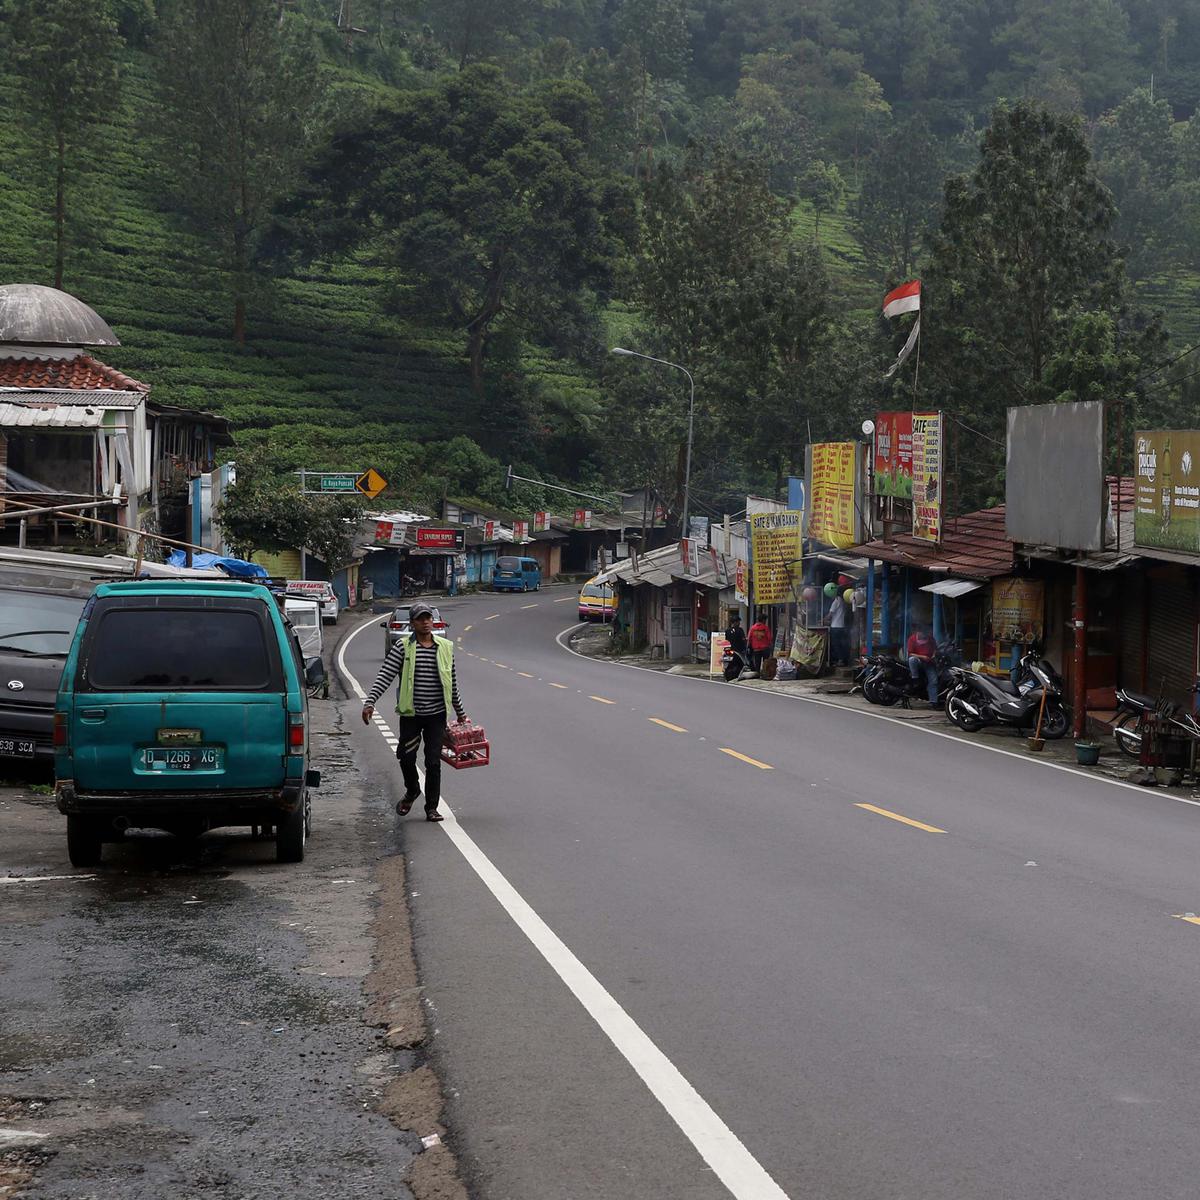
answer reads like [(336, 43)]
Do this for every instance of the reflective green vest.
[(445, 662)]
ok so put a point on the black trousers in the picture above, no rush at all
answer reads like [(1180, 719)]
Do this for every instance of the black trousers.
[(412, 729)]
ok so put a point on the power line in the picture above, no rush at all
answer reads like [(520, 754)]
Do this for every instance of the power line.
[(1170, 363)]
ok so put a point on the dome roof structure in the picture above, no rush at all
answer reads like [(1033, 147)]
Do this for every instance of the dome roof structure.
[(32, 315)]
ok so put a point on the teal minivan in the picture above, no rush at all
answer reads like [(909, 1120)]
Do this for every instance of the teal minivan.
[(183, 706), (513, 574)]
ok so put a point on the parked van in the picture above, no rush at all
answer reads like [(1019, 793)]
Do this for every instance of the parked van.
[(182, 706), (305, 616), (514, 574), (320, 590)]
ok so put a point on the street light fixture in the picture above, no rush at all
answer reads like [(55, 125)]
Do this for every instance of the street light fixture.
[(687, 471)]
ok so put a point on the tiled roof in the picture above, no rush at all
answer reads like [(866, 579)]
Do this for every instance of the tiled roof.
[(83, 373), (972, 547)]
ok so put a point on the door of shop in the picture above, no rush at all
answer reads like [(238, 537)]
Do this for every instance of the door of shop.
[(679, 633)]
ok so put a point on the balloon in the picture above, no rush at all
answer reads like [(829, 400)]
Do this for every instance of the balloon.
[(848, 595), (809, 593), (830, 589), (844, 581)]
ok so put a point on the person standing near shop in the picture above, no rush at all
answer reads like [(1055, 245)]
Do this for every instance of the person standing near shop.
[(428, 690), (839, 635), (759, 639), (735, 635)]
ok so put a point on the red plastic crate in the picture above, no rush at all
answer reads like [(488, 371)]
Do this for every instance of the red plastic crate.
[(466, 745)]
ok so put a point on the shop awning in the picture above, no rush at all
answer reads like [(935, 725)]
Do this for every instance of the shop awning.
[(951, 587)]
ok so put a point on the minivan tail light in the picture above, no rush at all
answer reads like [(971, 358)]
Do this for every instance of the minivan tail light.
[(60, 730), (296, 733)]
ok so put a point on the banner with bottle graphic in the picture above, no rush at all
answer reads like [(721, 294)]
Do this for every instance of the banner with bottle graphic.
[(893, 454), (1167, 497), (927, 476)]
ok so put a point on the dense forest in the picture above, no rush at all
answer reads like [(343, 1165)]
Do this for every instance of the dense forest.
[(407, 234)]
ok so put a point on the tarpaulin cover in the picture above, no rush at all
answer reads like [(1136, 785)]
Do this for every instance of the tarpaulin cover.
[(234, 566)]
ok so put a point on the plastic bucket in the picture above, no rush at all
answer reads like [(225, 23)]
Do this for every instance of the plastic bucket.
[(1087, 754)]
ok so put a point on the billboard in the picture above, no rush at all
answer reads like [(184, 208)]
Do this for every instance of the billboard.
[(441, 539), (1054, 481), (583, 518), (1018, 606), (541, 521), (831, 516), (1166, 511), (776, 548), (520, 531), (927, 476), (893, 454)]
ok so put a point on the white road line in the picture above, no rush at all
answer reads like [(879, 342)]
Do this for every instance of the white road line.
[(14, 1137), (40, 878), (1147, 793), (740, 1172)]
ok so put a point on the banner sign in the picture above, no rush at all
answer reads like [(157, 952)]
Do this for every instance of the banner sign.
[(390, 533), (541, 522), (489, 531), (717, 646), (583, 518), (831, 517), (441, 539), (720, 567), (1167, 498), (893, 454), (689, 554), (741, 584), (1017, 610), (776, 548), (927, 476), (520, 531)]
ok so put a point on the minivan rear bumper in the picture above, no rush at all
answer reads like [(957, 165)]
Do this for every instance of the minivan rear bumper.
[(222, 807)]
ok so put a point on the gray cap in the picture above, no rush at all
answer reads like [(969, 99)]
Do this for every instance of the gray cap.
[(420, 609)]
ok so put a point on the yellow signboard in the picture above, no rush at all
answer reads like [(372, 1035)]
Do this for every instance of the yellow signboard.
[(831, 513), (1017, 608), (927, 476), (776, 545), (370, 483)]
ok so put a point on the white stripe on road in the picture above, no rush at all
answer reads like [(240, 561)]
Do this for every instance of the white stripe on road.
[(717, 1144), (39, 878)]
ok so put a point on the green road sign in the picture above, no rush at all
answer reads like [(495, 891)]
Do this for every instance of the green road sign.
[(337, 483)]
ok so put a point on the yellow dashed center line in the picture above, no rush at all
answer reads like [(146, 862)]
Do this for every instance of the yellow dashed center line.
[(1189, 919), (524, 674), (667, 725), (502, 666), (561, 685), (762, 766), (601, 700), (883, 812), (565, 600), (468, 628)]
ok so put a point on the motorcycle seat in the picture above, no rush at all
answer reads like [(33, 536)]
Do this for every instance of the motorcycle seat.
[(1007, 685), (1138, 699)]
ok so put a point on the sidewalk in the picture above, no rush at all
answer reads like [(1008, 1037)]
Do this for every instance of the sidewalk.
[(593, 641)]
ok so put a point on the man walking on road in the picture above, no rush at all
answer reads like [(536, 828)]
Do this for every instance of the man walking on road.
[(428, 690)]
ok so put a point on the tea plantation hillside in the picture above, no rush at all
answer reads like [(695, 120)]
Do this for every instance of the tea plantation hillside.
[(326, 376)]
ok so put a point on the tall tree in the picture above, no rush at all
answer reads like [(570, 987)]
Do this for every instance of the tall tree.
[(485, 197), (1024, 248), (64, 52), (243, 104), (897, 208)]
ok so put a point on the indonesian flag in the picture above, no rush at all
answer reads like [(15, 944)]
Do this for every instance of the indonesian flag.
[(905, 298)]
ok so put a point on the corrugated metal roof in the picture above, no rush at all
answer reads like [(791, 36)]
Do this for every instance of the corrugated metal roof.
[(973, 546), (98, 398), (58, 416)]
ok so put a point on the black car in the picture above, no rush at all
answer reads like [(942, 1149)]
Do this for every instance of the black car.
[(36, 627)]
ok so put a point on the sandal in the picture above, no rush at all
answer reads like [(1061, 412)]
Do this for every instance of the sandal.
[(405, 805), (432, 814)]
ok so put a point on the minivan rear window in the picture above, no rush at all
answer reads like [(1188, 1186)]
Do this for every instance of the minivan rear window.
[(175, 649), (508, 564)]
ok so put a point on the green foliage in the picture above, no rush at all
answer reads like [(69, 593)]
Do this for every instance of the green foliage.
[(824, 188), (64, 54), (242, 97)]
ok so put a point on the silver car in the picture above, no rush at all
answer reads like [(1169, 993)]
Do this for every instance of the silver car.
[(399, 625)]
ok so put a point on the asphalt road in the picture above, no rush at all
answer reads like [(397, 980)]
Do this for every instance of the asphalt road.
[(891, 964)]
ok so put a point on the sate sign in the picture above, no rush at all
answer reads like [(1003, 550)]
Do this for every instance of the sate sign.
[(831, 512), (1167, 495), (893, 454), (776, 548), (441, 539), (927, 476)]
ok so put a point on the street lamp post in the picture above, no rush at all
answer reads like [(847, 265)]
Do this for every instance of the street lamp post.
[(687, 470)]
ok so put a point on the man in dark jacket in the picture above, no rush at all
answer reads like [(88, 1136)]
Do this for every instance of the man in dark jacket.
[(736, 636)]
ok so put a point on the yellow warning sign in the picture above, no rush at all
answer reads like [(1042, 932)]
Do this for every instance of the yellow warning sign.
[(370, 483)]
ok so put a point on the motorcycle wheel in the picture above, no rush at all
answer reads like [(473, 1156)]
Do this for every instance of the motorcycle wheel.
[(874, 693), (1127, 733), (1055, 723), (957, 714)]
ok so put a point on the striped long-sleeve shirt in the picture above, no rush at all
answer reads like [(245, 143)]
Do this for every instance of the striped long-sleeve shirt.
[(428, 698)]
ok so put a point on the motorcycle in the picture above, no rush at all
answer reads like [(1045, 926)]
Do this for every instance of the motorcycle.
[(1134, 711), (887, 679), (977, 700)]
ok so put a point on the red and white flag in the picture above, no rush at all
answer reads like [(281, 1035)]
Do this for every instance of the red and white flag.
[(905, 298)]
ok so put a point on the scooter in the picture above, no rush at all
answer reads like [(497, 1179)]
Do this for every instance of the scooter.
[(887, 679), (977, 700), (1134, 711)]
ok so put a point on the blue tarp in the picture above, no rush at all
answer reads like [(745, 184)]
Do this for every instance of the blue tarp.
[(234, 566)]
